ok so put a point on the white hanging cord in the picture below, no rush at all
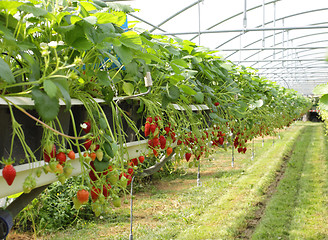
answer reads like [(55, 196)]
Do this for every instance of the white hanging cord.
[(199, 1), (131, 210), (263, 23), (274, 32), (245, 14), (232, 156)]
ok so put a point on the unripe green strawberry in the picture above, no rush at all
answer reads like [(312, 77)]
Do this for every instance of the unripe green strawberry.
[(68, 169), (38, 172), (48, 147), (123, 181), (52, 166), (96, 208), (29, 184), (99, 154), (116, 202), (77, 203), (61, 178), (112, 177)]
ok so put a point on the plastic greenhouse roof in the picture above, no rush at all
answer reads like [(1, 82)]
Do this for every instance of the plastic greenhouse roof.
[(286, 40)]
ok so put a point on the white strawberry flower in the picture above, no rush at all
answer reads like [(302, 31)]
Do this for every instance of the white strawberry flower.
[(53, 44), (83, 125)]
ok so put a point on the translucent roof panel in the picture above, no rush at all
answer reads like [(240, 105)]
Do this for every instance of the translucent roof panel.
[(286, 40)]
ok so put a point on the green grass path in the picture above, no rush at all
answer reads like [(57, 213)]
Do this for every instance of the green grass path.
[(229, 213), (299, 208)]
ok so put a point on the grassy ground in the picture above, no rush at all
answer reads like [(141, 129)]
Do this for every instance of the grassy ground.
[(281, 194), (299, 208), (172, 207)]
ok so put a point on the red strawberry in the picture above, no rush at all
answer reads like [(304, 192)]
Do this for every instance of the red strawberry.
[(92, 164), (216, 104), (83, 196), (157, 118), (129, 177), (155, 142), (221, 140), (155, 152), (134, 161), (179, 142), (106, 188), (147, 129), (87, 127), (48, 155), (153, 127), (141, 159), (169, 151), (9, 174), (93, 156), (87, 144), (150, 143), (244, 150), (172, 135), (92, 175), (95, 193), (149, 119), (188, 156), (162, 141), (167, 130), (61, 158), (130, 171), (71, 155)]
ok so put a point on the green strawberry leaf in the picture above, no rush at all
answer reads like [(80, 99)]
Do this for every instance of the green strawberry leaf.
[(6, 73), (128, 88), (50, 88), (199, 97), (46, 106)]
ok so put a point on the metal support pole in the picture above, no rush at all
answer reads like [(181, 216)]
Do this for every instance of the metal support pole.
[(272, 141), (245, 14), (199, 21), (233, 156), (131, 210), (263, 23), (253, 150), (283, 43), (262, 141), (274, 32), (199, 183)]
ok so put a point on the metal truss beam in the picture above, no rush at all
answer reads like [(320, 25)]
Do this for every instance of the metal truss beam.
[(268, 48), (272, 21), (249, 30), (280, 60)]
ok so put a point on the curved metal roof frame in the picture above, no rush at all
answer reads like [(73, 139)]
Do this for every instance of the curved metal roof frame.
[(280, 57)]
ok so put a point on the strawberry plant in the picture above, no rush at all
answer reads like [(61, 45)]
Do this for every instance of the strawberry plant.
[(198, 101)]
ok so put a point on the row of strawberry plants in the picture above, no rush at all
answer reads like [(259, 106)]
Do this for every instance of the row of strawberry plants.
[(77, 49)]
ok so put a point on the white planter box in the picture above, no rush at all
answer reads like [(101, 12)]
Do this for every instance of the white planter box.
[(133, 149)]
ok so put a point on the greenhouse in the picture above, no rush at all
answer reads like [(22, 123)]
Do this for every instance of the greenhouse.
[(195, 119)]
